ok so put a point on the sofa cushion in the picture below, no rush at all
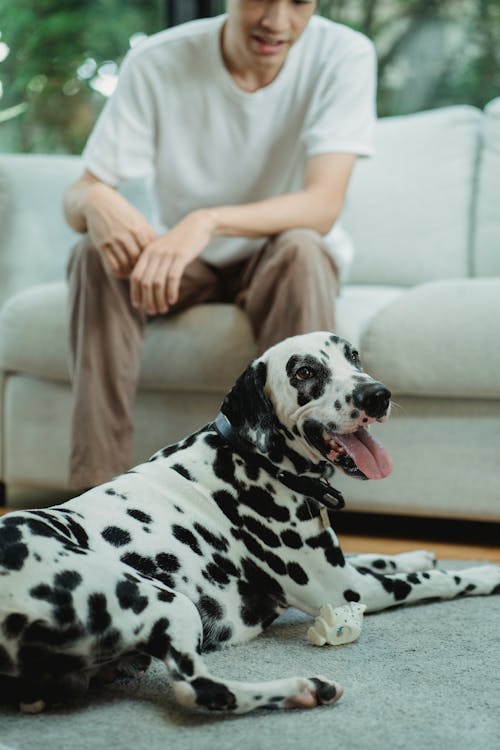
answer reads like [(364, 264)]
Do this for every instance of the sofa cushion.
[(184, 353), (487, 222), (203, 349), (438, 339), (35, 239), (409, 207)]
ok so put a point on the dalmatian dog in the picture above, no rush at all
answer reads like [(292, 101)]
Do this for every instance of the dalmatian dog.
[(205, 544)]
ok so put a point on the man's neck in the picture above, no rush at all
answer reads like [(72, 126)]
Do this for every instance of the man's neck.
[(247, 77)]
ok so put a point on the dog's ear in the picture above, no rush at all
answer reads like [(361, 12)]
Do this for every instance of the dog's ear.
[(248, 408)]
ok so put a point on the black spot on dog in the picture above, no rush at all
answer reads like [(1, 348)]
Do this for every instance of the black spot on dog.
[(139, 515), (210, 608), (129, 596), (186, 537), (413, 578), (247, 406), (261, 595), (158, 643), (165, 596), (306, 511), (115, 536), (168, 562), (399, 589), (351, 596), (380, 564), (42, 591), (255, 548), (13, 551), (214, 696), (297, 573), (228, 505), (215, 574), (291, 539), (226, 565), (99, 618), (14, 624), (176, 447), (333, 553), (68, 579), (310, 388), (144, 565), (180, 469), (261, 531), (263, 503), (217, 542)]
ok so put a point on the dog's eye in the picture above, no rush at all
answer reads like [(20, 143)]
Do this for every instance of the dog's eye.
[(305, 373), (354, 356)]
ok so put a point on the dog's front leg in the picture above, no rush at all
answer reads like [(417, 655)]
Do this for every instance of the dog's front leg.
[(380, 591)]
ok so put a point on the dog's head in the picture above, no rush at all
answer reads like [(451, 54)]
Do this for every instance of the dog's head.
[(311, 393)]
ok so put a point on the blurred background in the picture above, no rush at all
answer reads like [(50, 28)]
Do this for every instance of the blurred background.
[(59, 59)]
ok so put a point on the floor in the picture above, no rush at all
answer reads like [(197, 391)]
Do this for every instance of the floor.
[(443, 550)]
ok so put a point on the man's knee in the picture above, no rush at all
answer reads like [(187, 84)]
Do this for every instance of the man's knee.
[(84, 253), (302, 247)]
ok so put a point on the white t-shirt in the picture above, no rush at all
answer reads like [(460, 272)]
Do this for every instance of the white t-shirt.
[(178, 117)]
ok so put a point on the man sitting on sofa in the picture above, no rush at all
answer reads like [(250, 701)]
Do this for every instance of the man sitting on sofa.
[(248, 125)]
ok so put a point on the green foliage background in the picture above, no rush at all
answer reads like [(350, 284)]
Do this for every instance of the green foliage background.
[(431, 53)]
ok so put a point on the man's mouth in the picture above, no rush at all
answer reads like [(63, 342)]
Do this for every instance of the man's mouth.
[(268, 46)]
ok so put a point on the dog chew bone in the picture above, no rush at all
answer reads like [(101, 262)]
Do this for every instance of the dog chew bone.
[(338, 625)]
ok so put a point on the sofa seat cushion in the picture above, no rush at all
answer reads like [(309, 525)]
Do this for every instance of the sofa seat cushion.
[(438, 339), (203, 349), (206, 348)]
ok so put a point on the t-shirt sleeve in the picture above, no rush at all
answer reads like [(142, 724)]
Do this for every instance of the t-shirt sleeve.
[(342, 112), (121, 145)]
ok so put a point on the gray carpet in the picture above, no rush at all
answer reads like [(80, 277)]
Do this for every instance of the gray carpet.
[(425, 677)]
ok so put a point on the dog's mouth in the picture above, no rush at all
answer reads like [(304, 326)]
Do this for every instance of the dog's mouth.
[(357, 453)]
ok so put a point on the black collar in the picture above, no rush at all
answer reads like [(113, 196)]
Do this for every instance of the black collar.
[(319, 489)]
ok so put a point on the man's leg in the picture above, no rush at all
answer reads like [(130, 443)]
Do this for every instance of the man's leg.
[(106, 335), (289, 287)]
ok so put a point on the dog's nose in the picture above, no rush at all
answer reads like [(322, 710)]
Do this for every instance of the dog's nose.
[(372, 398)]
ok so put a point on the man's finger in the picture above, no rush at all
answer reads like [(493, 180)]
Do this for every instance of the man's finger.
[(131, 249), (162, 274), (111, 259), (174, 280), (150, 284)]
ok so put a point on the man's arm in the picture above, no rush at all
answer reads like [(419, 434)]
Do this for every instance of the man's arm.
[(317, 206), (158, 272), (117, 229)]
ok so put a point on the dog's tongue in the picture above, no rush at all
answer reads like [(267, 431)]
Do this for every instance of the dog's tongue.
[(368, 454)]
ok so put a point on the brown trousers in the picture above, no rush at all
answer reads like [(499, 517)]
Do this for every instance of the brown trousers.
[(287, 288)]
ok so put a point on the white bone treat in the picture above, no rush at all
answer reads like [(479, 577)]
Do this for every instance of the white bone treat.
[(336, 626)]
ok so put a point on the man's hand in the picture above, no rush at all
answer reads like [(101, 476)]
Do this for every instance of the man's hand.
[(117, 229), (156, 278)]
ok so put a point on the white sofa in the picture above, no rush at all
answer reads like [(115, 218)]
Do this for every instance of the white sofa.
[(422, 303)]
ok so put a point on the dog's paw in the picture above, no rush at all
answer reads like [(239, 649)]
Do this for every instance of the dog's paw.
[(480, 580), (316, 691), (415, 561)]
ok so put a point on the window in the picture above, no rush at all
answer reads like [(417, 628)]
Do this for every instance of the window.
[(59, 58)]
